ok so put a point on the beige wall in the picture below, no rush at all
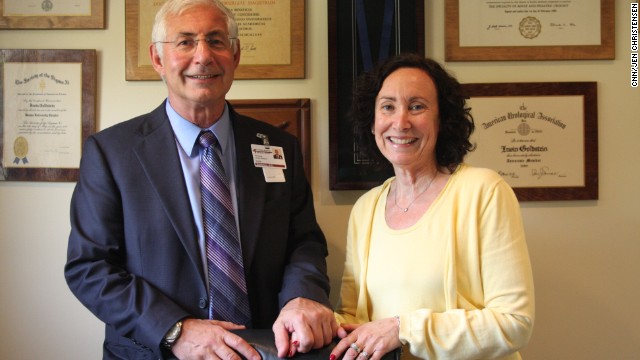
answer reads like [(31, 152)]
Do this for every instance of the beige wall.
[(585, 254)]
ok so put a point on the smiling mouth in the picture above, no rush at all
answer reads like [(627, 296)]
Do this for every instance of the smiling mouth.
[(201, 77), (402, 141)]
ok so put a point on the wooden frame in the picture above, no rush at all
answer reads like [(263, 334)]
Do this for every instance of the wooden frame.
[(294, 70), (454, 52), (291, 115), (93, 21), (87, 113), (347, 60), (549, 134)]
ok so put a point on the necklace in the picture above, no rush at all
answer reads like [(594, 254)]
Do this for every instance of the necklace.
[(405, 209)]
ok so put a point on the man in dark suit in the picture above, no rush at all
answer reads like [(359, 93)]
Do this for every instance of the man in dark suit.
[(136, 254)]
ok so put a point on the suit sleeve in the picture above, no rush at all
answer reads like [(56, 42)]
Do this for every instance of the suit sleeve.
[(305, 274), (100, 262)]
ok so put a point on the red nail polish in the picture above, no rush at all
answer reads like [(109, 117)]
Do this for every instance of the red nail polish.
[(295, 343), (332, 357)]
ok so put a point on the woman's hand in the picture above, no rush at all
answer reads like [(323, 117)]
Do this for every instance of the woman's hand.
[(367, 341)]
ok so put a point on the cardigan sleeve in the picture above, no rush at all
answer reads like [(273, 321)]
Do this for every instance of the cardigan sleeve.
[(352, 306), (347, 308)]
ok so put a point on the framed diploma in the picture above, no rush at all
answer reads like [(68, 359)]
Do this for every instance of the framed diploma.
[(529, 30), (541, 137), (52, 14), (47, 112), (362, 33), (272, 37)]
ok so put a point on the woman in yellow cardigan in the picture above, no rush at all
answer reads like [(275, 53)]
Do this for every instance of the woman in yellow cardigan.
[(436, 258)]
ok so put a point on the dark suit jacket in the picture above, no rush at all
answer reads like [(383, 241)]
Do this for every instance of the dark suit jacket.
[(133, 258)]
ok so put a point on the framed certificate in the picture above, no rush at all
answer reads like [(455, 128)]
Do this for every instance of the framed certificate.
[(271, 35), (541, 137), (48, 110), (52, 14), (529, 30)]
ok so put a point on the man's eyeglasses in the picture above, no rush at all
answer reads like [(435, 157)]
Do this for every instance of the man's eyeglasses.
[(187, 44)]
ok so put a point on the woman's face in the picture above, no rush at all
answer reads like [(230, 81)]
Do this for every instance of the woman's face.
[(407, 118)]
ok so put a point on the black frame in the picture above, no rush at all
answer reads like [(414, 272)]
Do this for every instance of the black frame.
[(346, 63)]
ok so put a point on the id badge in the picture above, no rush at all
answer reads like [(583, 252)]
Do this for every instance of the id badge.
[(272, 161)]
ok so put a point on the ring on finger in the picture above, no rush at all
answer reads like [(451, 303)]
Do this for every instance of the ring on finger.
[(364, 354), (355, 347)]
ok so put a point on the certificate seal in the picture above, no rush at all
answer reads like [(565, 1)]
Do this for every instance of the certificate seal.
[(47, 5), (20, 149), (524, 129), (530, 27)]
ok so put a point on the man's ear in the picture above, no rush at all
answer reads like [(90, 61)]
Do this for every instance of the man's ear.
[(156, 61), (236, 56)]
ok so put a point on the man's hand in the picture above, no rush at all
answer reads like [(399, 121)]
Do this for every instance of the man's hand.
[(210, 339), (303, 325)]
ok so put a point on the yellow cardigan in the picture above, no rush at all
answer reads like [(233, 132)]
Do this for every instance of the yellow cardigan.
[(488, 281)]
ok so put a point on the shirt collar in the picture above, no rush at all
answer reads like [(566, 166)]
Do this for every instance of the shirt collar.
[(187, 132)]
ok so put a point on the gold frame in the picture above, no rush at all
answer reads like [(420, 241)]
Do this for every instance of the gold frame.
[(95, 21), (606, 49), (294, 70)]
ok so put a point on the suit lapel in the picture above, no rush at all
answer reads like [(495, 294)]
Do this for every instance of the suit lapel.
[(251, 187), (160, 160)]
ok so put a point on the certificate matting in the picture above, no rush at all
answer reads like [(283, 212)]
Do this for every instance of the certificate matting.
[(541, 137), (52, 14), (272, 38), (529, 30), (47, 108)]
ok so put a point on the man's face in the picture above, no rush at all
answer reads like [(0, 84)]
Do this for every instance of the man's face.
[(198, 73)]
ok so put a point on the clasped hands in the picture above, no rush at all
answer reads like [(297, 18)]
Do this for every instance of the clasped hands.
[(302, 325)]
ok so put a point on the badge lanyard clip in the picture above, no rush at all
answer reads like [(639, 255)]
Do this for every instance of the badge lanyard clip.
[(265, 138)]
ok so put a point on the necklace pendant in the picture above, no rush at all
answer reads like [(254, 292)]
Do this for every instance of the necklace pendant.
[(405, 209)]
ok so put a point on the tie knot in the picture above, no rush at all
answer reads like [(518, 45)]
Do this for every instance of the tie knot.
[(207, 138)]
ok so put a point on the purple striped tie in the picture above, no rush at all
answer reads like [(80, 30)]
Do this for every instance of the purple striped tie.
[(227, 287)]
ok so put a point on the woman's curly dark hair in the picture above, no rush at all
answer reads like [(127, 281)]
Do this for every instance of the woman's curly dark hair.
[(456, 122)]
